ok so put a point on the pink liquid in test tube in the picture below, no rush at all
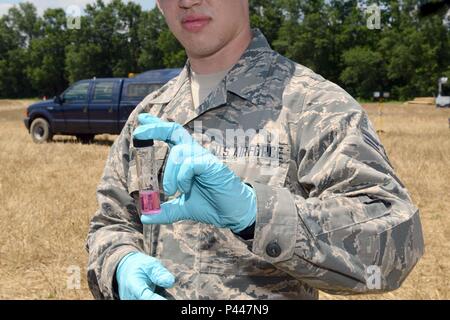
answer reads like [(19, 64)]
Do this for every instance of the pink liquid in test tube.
[(150, 202)]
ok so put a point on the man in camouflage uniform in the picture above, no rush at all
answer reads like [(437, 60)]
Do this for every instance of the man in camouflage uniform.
[(331, 215)]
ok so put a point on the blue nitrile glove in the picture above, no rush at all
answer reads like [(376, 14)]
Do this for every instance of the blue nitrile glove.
[(210, 192), (138, 275)]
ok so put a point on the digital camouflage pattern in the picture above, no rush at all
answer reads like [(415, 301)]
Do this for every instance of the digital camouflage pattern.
[(330, 211)]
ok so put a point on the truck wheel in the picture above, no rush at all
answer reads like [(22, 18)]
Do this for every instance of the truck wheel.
[(86, 138), (40, 131)]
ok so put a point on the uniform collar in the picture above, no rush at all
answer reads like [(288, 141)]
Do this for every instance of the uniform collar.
[(244, 79)]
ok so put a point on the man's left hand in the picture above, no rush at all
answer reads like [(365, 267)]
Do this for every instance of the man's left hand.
[(210, 192)]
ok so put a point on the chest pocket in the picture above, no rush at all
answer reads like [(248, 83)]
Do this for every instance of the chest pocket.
[(270, 171), (223, 253)]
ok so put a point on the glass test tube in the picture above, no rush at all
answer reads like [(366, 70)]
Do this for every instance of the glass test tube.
[(148, 177)]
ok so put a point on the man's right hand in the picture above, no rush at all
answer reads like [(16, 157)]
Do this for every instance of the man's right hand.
[(138, 275)]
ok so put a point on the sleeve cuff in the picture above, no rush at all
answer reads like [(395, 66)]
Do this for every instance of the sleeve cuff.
[(248, 233), (276, 223), (108, 280)]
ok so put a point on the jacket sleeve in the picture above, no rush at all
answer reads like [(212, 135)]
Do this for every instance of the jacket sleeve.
[(115, 230), (347, 224)]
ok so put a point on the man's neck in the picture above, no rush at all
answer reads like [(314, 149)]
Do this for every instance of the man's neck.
[(223, 59)]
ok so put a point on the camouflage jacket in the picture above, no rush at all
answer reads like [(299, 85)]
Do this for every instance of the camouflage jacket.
[(332, 215)]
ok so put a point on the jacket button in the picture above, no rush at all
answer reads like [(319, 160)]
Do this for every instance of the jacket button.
[(273, 249)]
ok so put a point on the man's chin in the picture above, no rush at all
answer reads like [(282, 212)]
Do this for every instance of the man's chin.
[(200, 50)]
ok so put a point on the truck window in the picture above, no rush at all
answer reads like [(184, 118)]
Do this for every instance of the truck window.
[(79, 92), (103, 91), (138, 91)]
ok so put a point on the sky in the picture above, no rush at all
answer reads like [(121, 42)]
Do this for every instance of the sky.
[(41, 5)]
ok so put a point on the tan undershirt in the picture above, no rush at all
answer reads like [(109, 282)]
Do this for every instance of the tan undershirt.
[(203, 84)]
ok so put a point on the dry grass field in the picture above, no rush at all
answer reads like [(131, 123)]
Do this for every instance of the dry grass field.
[(47, 197)]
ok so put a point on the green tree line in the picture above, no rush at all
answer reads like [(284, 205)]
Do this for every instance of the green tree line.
[(405, 55)]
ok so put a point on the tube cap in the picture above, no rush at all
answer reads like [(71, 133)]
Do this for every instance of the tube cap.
[(143, 143)]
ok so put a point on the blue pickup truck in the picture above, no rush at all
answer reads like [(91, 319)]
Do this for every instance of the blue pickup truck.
[(91, 107)]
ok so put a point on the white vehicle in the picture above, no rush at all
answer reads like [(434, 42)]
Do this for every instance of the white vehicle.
[(443, 98)]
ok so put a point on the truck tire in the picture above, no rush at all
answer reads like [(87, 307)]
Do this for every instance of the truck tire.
[(86, 138), (40, 131)]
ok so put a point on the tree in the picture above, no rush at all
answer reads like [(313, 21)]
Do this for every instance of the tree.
[(108, 42), (14, 82), (17, 29), (363, 71), (24, 22), (306, 36), (81, 60), (266, 15), (47, 55), (415, 50), (174, 53), (151, 26), (40, 55)]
